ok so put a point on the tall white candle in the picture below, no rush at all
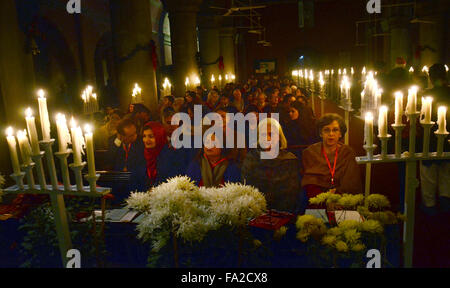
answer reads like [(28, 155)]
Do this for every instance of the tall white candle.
[(63, 132), (13, 150), (368, 129), (412, 100), (426, 109), (442, 121), (31, 126), (382, 121), (24, 145), (77, 142), (43, 113), (398, 107), (90, 150)]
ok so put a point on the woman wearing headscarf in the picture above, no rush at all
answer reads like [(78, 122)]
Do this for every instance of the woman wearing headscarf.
[(212, 167), (154, 137)]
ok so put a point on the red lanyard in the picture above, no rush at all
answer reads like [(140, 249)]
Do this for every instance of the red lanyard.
[(332, 171), (126, 151), (215, 164)]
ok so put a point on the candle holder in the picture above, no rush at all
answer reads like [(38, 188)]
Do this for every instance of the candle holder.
[(426, 136), (384, 141), (369, 151), (47, 145), (440, 144), (398, 139), (29, 175), (77, 171), (92, 181), (412, 132), (19, 179), (37, 159), (64, 168)]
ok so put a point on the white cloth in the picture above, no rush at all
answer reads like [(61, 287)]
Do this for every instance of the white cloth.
[(434, 178)]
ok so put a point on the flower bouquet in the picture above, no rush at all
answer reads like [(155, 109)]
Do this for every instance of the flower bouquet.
[(178, 209), (348, 238)]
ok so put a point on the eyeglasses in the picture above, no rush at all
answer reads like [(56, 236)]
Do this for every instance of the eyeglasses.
[(328, 131)]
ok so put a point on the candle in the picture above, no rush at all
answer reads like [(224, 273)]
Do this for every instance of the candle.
[(411, 70), (425, 69), (398, 107), (197, 80), (90, 150), (63, 132), (13, 150), (295, 73), (31, 126), (412, 100), (382, 122), (25, 148), (368, 129), (77, 142), (345, 92), (166, 87), (363, 72), (442, 122), (43, 113), (426, 109), (136, 96), (233, 77), (321, 81), (212, 80), (186, 83)]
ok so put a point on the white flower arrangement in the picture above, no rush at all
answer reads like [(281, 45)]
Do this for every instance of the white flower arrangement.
[(180, 208)]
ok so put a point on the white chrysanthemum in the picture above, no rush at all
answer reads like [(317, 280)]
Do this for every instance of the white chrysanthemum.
[(139, 201)]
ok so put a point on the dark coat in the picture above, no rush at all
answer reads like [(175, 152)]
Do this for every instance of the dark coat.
[(278, 179)]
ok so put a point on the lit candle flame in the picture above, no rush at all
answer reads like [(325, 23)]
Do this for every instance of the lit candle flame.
[(41, 93), (29, 112), (136, 90), (187, 81), (369, 116), (9, 131), (88, 129), (411, 69), (425, 69), (73, 123), (212, 78), (295, 73)]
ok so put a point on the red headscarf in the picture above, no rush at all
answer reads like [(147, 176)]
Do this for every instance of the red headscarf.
[(151, 154)]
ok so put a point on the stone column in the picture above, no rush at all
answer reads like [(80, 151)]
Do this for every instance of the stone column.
[(183, 32), (431, 32), (400, 38), (209, 48), (17, 89), (132, 32), (227, 50)]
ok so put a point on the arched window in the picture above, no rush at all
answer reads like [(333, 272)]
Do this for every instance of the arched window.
[(167, 42)]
